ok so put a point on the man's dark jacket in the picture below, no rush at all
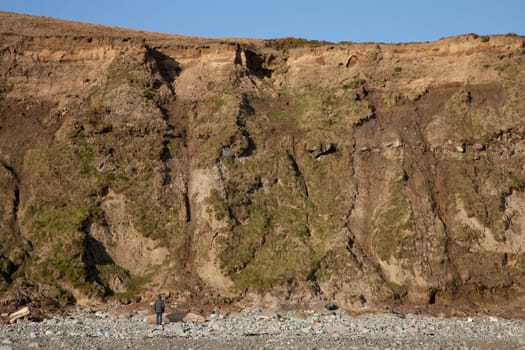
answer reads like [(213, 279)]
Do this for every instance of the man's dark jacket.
[(159, 305)]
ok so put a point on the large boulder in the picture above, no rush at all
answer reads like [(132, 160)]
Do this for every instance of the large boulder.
[(20, 313), (185, 317)]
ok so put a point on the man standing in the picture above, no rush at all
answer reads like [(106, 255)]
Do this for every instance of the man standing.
[(159, 309)]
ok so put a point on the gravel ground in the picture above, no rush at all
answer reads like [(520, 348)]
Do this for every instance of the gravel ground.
[(259, 329)]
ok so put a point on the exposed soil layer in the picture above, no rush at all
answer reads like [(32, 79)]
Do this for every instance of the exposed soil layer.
[(285, 173)]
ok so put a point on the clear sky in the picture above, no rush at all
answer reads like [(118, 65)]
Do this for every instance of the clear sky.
[(330, 20)]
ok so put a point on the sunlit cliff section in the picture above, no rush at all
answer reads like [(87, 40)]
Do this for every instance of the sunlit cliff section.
[(259, 171)]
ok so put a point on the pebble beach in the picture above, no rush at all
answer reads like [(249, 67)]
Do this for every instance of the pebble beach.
[(259, 329)]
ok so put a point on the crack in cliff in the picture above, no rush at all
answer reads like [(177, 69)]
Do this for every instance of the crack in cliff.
[(16, 194), (187, 204), (353, 170), (175, 167), (253, 62), (298, 173), (353, 248), (367, 118), (222, 178), (245, 111), (428, 167), (168, 68), (431, 186), (165, 156), (94, 254)]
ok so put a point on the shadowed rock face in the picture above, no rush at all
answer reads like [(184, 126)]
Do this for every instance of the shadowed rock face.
[(279, 171)]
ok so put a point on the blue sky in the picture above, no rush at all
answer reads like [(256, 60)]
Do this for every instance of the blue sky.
[(331, 20)]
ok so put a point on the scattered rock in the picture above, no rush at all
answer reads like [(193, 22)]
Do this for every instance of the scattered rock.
[(226, 153), (195, 318), (176, 316), (140, 316), (478, 147), (321, 148), (101, 314), (23, 312), (152, 319), (331, 306), (177, 329), (185, 317), (125, 316), (249, 329), (262, 315), (397, 143), (468, 98)]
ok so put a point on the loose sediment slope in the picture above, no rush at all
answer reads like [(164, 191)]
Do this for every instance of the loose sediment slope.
[(266, 171)]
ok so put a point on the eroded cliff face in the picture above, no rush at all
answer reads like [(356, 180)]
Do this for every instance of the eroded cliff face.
[(279, 171)]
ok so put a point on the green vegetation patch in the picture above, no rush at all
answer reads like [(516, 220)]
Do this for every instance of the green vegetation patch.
[(128, 82), (216, 126), (63, 197), (355, 83), (278, 261), (128, 71), (337, 262), (276, 202), (104, 273), (135, 285), (264, 200), (483, 187), (502, 67), (317, 108), (394, 232), (125, 123), (469, 234), (291, 42)]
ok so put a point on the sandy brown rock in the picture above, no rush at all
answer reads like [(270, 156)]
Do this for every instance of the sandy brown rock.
[(226, 171), (19, 314)]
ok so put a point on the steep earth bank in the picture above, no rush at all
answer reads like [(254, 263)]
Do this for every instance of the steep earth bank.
[(259, 171)]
